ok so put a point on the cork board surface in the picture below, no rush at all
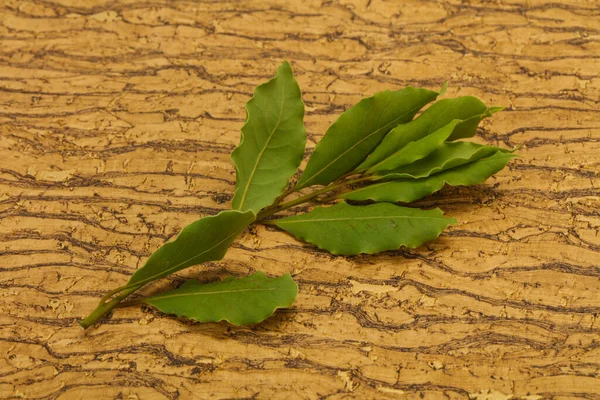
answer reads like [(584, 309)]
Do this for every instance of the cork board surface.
[(116, 123)]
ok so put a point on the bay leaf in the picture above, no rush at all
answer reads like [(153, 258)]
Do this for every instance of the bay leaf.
[(446, 156), (206, 239), (416, 150), (239, 301), (347, 229), (273, 140), (358, 131), (470, 110), (414, 189)]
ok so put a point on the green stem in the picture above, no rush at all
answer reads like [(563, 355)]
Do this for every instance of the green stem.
[(284, 195), (306, 198), (112, 293), (104, 308), (300, 200), (128, 303)]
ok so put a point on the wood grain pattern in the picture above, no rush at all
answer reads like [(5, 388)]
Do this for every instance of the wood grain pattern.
[(116, 123)]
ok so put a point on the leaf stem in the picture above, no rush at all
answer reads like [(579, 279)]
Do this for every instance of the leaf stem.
[(104, 308), (133, 302), (306, 198), (112, 293)]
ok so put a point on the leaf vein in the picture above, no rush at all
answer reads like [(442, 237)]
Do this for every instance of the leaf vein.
[(167, 271), (356, 219), (356, 145), (251, 177), (210, 293)]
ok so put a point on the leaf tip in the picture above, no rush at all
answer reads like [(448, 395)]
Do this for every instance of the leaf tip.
[(516, 148), (443, 89), (285, 65), (494, 110)]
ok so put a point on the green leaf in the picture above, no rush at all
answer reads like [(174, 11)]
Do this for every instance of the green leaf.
[(358, 130), (238, 301), (413, 189), (273, 140), (469, 127), (206, 239), (346, 229), (448, 155), (415, 150), (468, 109)]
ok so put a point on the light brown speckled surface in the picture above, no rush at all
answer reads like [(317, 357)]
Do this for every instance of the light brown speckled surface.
[(116, 123)]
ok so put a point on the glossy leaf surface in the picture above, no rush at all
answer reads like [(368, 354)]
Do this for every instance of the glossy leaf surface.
[(358, 131), (446, 156), (468, 109), (206, 239), (346, 229), (273, 140), (468, 128), (240, 301), (413, 189), (416, 150)]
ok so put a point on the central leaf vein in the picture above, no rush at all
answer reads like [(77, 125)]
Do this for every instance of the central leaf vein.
[(358, 143), (354, 219), (211, 293), (258, 159), (173, 268)]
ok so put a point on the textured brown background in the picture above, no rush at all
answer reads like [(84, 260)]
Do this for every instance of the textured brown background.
[(116, 123)]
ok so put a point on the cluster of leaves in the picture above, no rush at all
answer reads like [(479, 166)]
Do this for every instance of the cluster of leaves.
[(375, 155)]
